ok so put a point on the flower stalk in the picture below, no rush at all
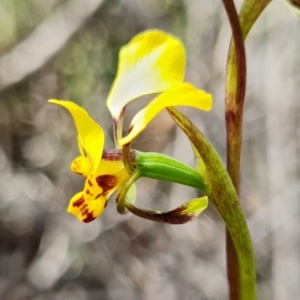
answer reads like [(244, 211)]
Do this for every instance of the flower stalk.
[(235, 94), (234, 100)]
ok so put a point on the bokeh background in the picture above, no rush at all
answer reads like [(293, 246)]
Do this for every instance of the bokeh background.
[(68, 49)]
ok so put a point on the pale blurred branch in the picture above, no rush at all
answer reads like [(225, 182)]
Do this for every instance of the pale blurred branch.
[(45, 41)]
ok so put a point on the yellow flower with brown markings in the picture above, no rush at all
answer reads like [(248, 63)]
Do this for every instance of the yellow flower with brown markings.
[(152, 62), (105, 171)]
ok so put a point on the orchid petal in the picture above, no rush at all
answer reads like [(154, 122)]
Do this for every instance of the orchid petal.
[(184, 94), (90, 203), (90, 134), (110, 166), (151, 62), (82, 166), (180, 215), (86, 211)]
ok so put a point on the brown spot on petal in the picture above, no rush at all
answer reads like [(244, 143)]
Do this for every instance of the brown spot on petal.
[(89, 218), (90, 183), (107, 182), (88, 192), (105, 204), (78, 202), (88, 215), (98, 196)]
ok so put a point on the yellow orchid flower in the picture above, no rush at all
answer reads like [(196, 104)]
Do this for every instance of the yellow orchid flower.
[(105, 172), (152, 62)]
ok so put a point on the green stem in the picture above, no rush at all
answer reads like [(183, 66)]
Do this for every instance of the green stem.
[(235, 83), (235, 93)]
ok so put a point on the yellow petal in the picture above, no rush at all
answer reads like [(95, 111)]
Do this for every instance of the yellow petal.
[(183, 94), (151, 62), (111, 162), (99, 185), (82, 166), (86, 211), (110, 166), (90, 134)]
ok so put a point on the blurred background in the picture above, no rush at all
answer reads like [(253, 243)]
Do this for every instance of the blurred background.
[(68, 49)]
